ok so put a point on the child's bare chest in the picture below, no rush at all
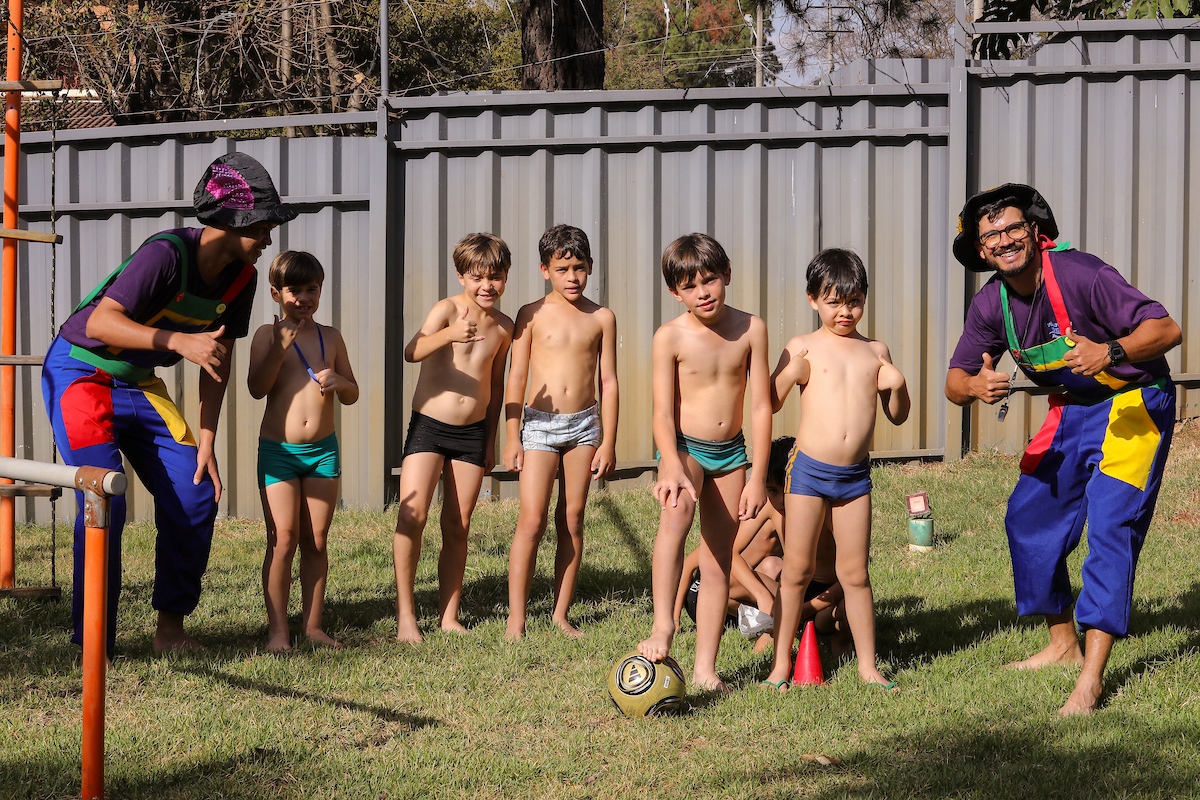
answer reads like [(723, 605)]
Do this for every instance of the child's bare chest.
[(712, 357), (564, 333), (475, 357), (852, 364)]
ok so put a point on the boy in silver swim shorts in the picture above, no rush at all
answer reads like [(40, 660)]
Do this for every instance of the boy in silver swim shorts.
[(561, 343)]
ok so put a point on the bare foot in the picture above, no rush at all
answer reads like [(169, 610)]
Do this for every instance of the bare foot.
[(318, 636), (1083, 700), (872, 676), (407, 631), (658, 645), (454, 626), (179, 642), (279, 642), (515, 629), (709, 683), (779, 678), (170, 636), (1052, 655), (764, 643), (569, 630)]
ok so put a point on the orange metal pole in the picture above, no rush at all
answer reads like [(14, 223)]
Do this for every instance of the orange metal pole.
[(8, 285), (95, 639)]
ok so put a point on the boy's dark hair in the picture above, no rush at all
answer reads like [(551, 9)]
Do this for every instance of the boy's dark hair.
[(837, 272), (781, 451), (564, 241), (482, 254), (295, 268), (692, 255)]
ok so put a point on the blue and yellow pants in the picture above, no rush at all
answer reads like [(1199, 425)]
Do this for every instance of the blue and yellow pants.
[(1100, 464), (97, 418)]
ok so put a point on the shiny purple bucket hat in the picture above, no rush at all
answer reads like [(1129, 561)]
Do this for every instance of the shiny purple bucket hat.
[(237, 192)]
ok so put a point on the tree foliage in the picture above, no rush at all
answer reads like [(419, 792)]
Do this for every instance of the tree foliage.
[(454, 45), (1005, 45), (685, 43), (165, 60), (832, 33)]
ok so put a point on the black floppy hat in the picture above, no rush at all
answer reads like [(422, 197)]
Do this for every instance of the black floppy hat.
[(236, 192), (1027, 199)]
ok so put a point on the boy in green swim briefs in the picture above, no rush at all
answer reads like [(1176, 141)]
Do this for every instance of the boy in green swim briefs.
[(302, 368), (703, 363)]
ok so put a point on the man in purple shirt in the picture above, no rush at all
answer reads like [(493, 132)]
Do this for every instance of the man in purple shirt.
[(185, 293), (1073, 324)]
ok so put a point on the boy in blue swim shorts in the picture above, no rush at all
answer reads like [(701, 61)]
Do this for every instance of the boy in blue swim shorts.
[(705, 361), (302, 368), (840, 372)]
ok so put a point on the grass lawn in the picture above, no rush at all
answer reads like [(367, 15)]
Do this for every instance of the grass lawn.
[(475, 716)]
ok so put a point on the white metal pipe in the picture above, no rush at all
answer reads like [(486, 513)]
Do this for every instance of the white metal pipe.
[(22, 469)]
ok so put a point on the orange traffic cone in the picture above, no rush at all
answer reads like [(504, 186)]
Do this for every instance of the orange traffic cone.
[(808, 659)]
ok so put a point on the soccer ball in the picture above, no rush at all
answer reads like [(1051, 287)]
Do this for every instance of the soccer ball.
[(642, 688)]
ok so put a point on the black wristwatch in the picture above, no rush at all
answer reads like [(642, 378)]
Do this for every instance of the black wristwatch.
[(1116, 353)]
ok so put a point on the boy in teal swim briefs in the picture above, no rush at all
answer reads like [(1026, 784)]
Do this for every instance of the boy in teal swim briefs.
[(704, 361), (302, 368)]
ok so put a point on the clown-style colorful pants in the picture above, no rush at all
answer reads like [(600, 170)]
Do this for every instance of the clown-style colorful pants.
[(96, 418), (1100, 464)]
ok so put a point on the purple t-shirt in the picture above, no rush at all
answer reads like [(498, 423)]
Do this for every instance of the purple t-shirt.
[(1100, 303), (150, 281)]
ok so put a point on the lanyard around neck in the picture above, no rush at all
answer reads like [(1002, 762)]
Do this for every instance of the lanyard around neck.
[(304, 360)]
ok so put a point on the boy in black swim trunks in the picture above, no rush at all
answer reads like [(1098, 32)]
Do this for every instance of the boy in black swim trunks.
[(840, 373), (302, 368), (462, 348)]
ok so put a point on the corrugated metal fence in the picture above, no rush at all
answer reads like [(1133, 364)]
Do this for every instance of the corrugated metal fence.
[(1104, 123)]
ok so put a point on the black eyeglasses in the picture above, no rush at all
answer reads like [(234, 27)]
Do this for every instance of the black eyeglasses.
[(1017, 232)]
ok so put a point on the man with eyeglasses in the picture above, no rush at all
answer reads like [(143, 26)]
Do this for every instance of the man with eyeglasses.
[(1073, 324)]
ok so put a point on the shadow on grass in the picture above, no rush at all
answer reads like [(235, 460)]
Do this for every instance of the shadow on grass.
[(255, 773), (411, 721), (611, 511), (1184, 613), (982, 756), (914, 635)]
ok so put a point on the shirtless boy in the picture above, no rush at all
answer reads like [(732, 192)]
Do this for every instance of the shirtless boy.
[(840, 372), (462, 348), (302, 368), (703, 362), (559, 343)]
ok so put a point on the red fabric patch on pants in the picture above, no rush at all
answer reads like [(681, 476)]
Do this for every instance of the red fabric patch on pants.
[(1041, 442), (87, 411)]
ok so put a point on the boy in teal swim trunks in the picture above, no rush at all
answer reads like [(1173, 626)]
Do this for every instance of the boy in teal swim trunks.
[(302, 368), (840, 372), (704, 361)]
